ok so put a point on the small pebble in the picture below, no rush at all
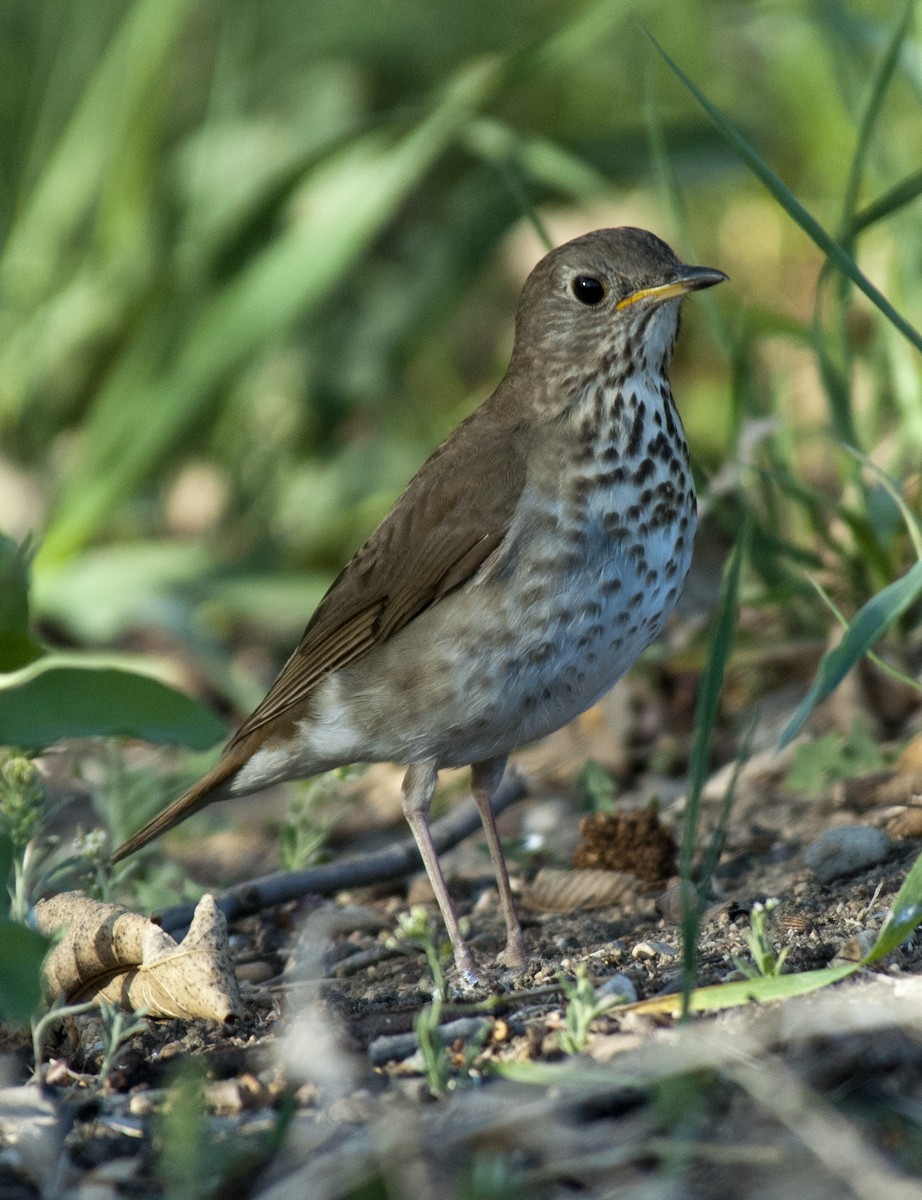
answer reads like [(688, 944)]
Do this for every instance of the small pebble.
[(855, 948), (618, 985), (142, 1104), (840, 852), (653, 950), (258, 971), (670, 903)]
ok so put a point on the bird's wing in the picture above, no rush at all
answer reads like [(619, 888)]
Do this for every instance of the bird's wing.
[(453, 516)]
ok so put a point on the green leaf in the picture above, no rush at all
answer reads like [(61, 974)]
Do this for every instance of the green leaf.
[(56, 700), (871, 623), (101, 594), (21, 952), (17, 648)]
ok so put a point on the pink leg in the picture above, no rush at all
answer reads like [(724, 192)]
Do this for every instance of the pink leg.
[(418, 789), (485, 779)]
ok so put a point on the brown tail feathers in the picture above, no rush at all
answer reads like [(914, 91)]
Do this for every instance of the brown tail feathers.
[(211, 787)]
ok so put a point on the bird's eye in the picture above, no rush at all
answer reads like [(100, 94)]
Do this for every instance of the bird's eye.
[(588, 290)]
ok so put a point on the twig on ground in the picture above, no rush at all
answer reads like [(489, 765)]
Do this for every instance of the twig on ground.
[(394, 862)]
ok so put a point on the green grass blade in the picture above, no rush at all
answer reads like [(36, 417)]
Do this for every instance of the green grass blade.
[(741, 993), (871, 623), (712, 677), (900, 676), (717, 997), (913, 524), (906, 192), (670, 186), (877, 91), (579, 35), (837, 254), (719, 836), (905, 914)]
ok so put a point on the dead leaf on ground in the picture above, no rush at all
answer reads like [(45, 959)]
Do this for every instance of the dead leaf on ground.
[(110, 953), (554, 890), (879, 788)]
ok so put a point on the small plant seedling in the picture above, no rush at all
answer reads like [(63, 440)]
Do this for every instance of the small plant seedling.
[(765, 962), (305, 830), (584, 1005), (35, 866), (22, 801), (117, 1027), (40, 1026), (417, 928), (91, 850), (311, 814)]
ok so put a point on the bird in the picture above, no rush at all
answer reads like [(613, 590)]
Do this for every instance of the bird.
[(522, 571)]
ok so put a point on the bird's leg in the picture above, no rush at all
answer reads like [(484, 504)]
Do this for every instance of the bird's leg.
[(485, 779), (418, 789)]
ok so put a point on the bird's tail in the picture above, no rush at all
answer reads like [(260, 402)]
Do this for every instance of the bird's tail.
[(213, 786)]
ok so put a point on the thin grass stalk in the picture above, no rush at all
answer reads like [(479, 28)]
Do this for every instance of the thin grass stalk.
[(706, 710), (792, 206)]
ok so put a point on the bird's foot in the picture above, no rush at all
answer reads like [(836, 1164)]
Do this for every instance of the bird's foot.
[(469, 974), (513, 957)]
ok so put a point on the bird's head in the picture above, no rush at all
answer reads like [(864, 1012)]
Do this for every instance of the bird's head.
[(605, 304)]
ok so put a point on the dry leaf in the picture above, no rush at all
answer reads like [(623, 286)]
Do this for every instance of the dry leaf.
[(878, 788), (905, 823), (565, 891), (910, 759), (108, 952)]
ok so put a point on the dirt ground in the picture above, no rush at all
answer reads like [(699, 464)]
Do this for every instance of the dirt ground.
[(320, 1089)]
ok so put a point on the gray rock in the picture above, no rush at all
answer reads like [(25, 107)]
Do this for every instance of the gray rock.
[(840, 852), (618, 985)]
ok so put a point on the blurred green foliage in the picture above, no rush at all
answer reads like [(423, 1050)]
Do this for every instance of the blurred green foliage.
[(825, 760), (257, 259), (21, 949)]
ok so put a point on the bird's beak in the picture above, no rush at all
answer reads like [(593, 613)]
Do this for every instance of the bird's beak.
[(687, 279)]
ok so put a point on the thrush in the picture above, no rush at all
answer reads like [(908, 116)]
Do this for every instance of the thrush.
[(522, 571)]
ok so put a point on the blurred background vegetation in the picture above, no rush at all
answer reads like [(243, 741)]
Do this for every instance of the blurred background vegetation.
[(259, 258)]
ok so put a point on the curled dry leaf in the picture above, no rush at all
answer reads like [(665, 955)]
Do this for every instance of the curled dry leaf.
[(554, 890), (904, 823), (864, 792), (108, 953)]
